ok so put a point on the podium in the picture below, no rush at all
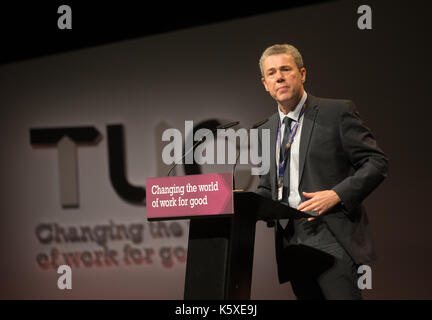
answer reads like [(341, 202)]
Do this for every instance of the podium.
[(220, 249), (222, 230)]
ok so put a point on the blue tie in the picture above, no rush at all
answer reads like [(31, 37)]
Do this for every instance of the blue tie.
[(286, 153), (283, 152)]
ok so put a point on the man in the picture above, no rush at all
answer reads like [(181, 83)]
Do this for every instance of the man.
[(325, 161)]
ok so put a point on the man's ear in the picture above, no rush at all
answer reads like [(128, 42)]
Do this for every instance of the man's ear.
[(303, 74), (264, 83)]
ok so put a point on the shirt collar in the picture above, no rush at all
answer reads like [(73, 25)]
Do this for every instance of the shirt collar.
[(294, 114)]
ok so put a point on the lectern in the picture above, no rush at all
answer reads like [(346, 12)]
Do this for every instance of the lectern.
[(221, 233), (220, 249)]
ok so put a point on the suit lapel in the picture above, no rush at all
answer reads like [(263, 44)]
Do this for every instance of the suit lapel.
[(273, 124), (306, 132)]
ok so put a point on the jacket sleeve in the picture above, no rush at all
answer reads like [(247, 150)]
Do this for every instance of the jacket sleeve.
[(368, 160)]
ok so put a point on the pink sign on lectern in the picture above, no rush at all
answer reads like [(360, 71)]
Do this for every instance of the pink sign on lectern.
[(187, 196)]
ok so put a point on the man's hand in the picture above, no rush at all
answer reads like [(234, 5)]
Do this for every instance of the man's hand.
[(320, 201)]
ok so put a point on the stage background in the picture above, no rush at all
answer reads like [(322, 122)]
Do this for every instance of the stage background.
[(203, 73)]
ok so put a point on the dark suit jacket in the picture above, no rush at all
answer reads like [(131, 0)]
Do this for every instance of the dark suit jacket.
[(336, 152)]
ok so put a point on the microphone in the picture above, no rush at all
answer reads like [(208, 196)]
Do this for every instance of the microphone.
[(221, 126), (226, 126), (256, 125)]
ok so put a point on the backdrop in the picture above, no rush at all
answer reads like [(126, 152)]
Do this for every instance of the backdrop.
[(128, 92)]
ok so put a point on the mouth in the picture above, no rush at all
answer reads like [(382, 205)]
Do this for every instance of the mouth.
[(282, 88)]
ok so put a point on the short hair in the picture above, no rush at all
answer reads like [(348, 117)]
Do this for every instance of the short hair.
[(278, 49)]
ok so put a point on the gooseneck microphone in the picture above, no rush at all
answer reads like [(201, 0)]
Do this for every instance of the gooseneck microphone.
[(256, 125), (226, 126), (221, 126)]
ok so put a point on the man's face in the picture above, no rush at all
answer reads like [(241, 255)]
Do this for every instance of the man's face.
[(282, 79)]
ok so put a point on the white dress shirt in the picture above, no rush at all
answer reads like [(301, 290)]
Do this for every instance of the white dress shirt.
[(294, 195)]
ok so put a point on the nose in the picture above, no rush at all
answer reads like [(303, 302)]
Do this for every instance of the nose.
[(279, 77)]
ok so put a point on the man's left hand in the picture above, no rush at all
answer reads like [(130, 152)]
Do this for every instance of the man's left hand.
[(320, 201)]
